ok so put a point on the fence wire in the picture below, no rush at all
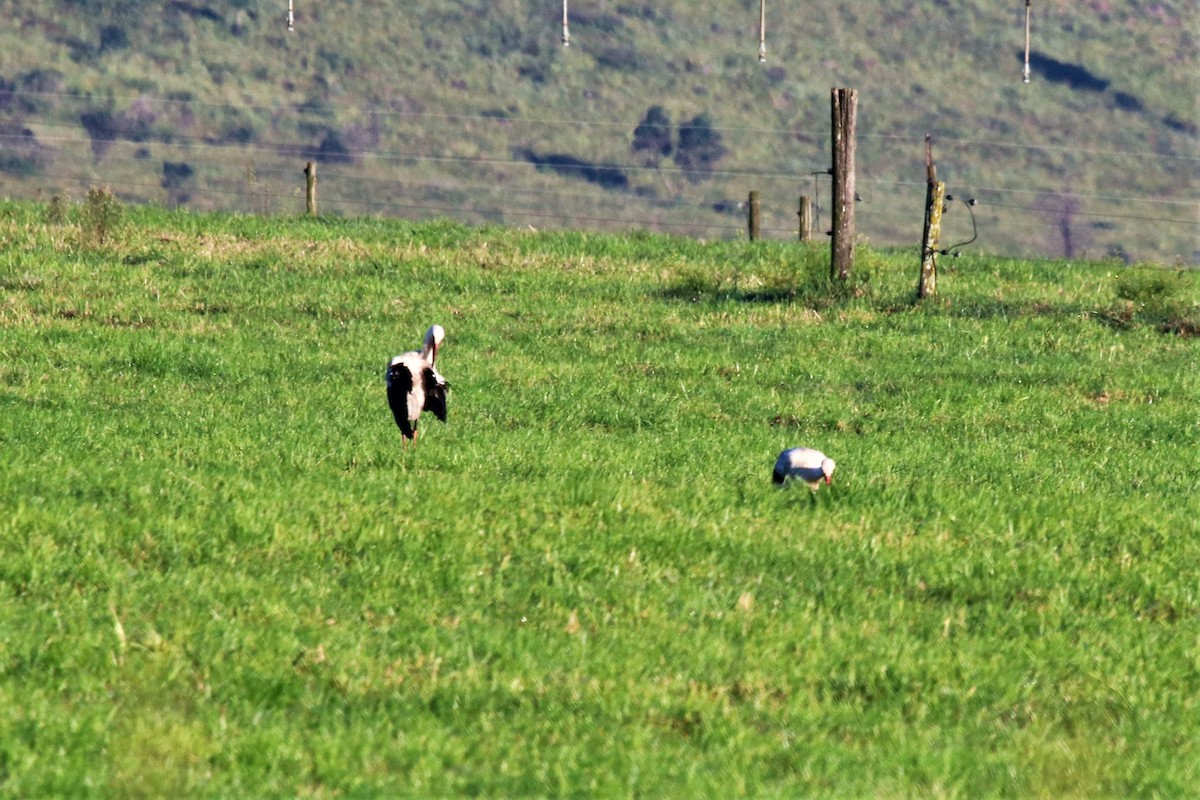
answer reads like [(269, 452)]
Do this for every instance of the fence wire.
[(53, 155)]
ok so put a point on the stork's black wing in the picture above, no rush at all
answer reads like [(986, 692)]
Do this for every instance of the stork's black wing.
[(435, 392), (399, 386)]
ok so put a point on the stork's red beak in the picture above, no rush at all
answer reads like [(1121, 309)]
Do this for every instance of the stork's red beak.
[(828, 480)]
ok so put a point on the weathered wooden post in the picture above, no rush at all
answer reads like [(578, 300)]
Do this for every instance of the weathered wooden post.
[(935, 201), (310, 193), (752, 221), (762, 31), (844, 108), (1028, 12), (806, 219)]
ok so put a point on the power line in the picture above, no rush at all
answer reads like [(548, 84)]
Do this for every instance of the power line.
[(315, 152), (626, 125), (333, 175), (882, 217), (1073, 213)]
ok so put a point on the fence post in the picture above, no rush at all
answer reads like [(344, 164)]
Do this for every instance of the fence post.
[(805, 214), (310, 193), (935, 200), (844, 108), (762, 31), (752, 221)]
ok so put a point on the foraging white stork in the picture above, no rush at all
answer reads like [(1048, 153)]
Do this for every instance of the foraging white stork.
[(414, 385), (810, 466)]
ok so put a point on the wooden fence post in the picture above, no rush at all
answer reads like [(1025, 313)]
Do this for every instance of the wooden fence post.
[(310, 193), (806, 219), (752, 221), (935, 200), (762, 31), (844, 108)]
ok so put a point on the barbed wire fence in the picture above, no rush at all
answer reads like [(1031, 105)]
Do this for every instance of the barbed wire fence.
[(148, 160)]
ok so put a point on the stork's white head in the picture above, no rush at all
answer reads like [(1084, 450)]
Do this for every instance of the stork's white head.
[(827, 467), (433, 340)]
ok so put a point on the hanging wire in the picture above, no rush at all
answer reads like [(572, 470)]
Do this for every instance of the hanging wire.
[(762, 31), (1028, 12), (817, 196), (952, 250)]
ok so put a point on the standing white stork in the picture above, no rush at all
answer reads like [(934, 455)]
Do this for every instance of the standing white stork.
[(414, 385), (810, 466)]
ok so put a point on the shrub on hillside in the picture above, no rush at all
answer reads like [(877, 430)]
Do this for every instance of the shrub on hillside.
[(332, 150), (31, 92), (652, 136), (113, 37), (21, 153), (176, 179), (101, 130), (699, 147)]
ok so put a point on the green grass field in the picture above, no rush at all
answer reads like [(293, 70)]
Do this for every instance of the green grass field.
[(221, 575)]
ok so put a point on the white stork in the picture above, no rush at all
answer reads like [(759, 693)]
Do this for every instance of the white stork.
[(810, 466), (414, 385)]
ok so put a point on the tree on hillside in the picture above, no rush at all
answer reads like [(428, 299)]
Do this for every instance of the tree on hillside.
[(653, 136), (699, 147), (101, 130)]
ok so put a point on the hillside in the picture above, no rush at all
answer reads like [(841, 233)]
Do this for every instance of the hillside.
[(476, 110)]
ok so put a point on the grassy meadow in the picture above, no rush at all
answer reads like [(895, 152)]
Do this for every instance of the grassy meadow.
[(221, 575)]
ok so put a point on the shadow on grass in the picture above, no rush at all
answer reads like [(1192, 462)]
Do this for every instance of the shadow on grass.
[(812, 288), (1142, 298)]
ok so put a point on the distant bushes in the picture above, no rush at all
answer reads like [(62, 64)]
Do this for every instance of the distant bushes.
[(501, 35), (621, 57), (30, 92), (113, 37), (697, 148), (20, 151), (1074, 75), (331, 149), (652, 136), (175, 178), (105, 127), (101, 130), (1080, 78), (610, 176)]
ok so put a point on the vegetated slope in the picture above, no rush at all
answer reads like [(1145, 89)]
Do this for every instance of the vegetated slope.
[(426, 109)]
